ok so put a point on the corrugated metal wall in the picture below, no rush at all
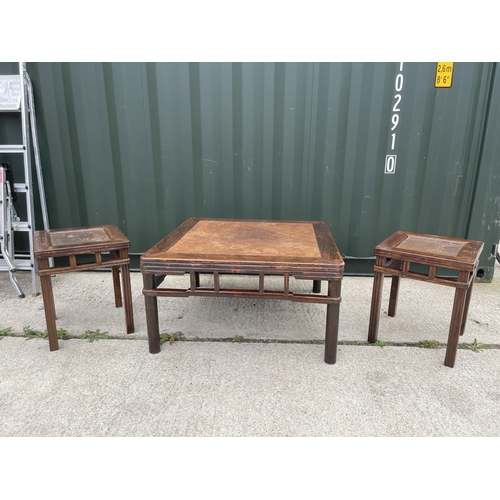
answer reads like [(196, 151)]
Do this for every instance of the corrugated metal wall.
[(145, 145)]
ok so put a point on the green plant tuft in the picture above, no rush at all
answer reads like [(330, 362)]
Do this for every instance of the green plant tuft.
[(5, 331), (34, 334), (171, 337), (62, 334), (379, 343), (238, 338), (92, 335), (473, 346), (428, 344)]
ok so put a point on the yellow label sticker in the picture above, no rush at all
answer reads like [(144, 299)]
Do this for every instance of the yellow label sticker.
[(444, 74)]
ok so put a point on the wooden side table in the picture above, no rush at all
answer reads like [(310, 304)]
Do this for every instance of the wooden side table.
[(97, 241), (396, 254), (299, 249)]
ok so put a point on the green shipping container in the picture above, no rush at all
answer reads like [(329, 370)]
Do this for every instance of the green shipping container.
[(369, 148)]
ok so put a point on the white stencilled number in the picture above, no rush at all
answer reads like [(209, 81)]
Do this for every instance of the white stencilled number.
[(390, 164), (399, 82), (396, 104), (395, 121), (390, 160)]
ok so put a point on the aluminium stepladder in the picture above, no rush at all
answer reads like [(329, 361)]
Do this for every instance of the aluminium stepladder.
[(16, 96)]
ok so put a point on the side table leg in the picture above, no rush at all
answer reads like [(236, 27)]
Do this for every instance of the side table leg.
[(378, 282), (316, 286), (127, 293), (466, 310), (393, 300), (48, 305), (455, 326), (116, 282), (332, 323), (152, 314)]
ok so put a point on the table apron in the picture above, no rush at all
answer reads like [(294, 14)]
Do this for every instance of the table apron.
[(207, 292), (298, 272), (83, 267), (422, 277)]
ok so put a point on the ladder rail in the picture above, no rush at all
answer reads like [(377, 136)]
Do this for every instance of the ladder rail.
[(25, 103), (28, 179), (36, 150)]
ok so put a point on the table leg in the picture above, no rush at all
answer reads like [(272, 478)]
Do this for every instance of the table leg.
[(48, 305), (127, 292), (152, 314), (197, 279), (466, 310), (316, 286), (378, 282), (116, 281), (332, 323), (393, 300), (455, 326)]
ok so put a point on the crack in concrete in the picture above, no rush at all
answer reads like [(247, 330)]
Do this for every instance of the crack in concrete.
[(361, 343)]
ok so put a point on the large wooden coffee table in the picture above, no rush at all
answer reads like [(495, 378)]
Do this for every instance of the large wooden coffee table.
[(302, 250)]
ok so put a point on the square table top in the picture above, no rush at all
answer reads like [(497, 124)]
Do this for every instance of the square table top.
[(78, 240), (297, 247), (429, 249)]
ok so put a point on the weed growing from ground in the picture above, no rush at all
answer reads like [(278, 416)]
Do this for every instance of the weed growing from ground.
[(428, 344), (31, 333), (62, 334), (92, 335), (5, 331), (171, 337), (473, 346)]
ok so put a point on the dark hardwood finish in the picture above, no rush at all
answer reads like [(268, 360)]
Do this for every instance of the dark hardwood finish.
[(116, 281), (261, 284), (456, 323), (127, 291), (394, 256), (217, 282), (332, 322), (84, 241), (306, 249), (299, 249), (152, 314), (48, 305), (238, 292), (79, 240), (393, 301), (466, 309), (378, 284), (439, 251)]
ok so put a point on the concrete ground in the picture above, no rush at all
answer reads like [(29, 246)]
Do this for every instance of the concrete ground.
[(273, 383)]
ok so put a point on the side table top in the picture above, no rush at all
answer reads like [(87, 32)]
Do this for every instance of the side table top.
[(246, 245), (430, 249), (58, 242)]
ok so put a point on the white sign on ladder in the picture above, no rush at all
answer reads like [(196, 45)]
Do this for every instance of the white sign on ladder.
[(10, 92)]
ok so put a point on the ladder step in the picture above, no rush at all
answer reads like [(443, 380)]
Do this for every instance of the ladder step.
[(20, 187), (12, 148), (21, 264), (22, 226)]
